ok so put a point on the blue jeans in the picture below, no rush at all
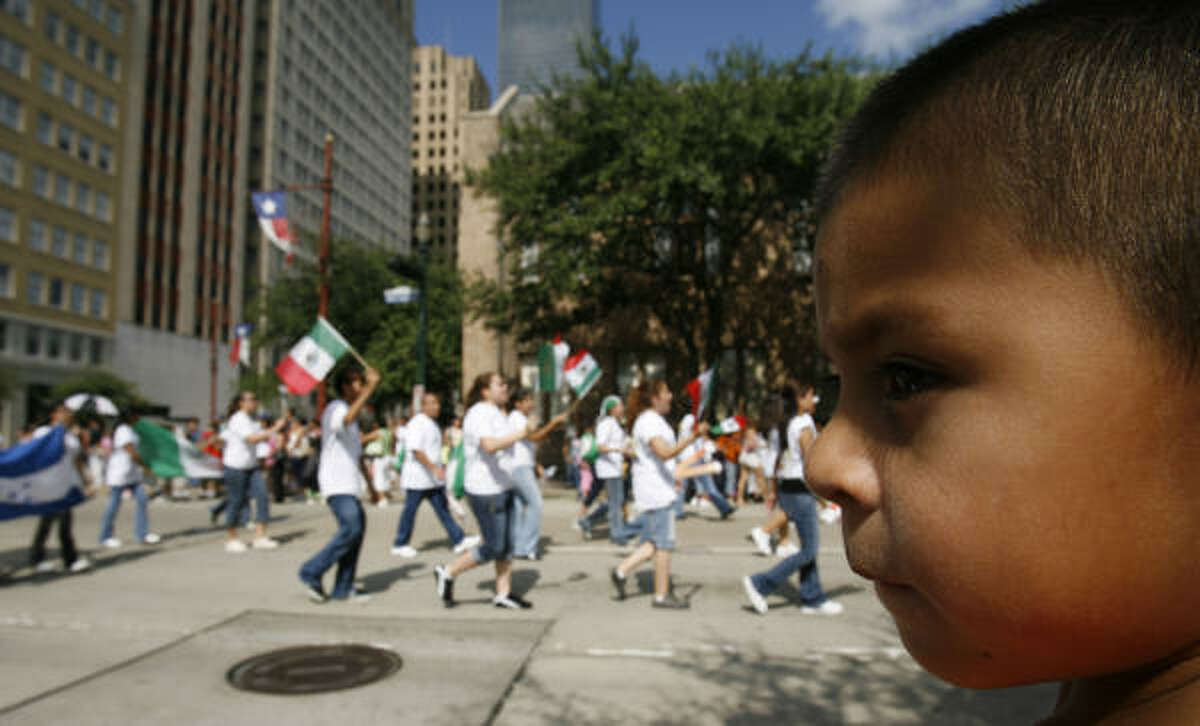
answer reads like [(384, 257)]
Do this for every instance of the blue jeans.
[(494, 512), (706, 485), (437, 498), (141, 526), (240, 485), (342, 550), (527, 521), (731, 477), (619, 531), (801, 509)]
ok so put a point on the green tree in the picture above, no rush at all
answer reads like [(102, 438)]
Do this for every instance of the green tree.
[(384, 334), (676, 205)]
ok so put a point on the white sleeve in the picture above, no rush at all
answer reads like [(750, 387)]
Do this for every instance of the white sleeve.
[(335, 419)]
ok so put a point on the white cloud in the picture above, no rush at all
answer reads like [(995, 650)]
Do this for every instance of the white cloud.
[(882, 27)]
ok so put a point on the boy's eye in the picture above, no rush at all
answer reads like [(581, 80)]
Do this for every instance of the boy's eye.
[(903, 380)]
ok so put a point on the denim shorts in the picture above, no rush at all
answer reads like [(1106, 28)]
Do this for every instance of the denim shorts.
[(494, 512), (658, 527)]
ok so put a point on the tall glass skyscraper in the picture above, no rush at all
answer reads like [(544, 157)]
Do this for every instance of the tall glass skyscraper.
[(538, 38)]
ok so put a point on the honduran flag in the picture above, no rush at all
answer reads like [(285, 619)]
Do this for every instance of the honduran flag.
[(700, 389), (38, 477), (312, 358), (239, 352), (581, 372), (551, 359), (169, 453), (271, 208)]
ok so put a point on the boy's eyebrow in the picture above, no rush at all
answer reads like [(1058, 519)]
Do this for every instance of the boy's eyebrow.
[(862, 329)]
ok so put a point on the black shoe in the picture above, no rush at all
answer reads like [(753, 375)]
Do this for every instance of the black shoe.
[(444, 584), (618, 583), (511, 601), (316, 593), (670, 602)]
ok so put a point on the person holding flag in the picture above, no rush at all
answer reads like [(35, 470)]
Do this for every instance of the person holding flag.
[(487, 439), (522, 467), (612, 446), (342, 483), (424, 479), (124, 474), (77, 473), (241, 435)]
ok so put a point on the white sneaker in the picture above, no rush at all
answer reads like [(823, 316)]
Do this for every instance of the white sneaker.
[(80, 565), (787, 549), (235, 545), (757, 601), (405, 551), (382, 504), (829, 607), (830, 514), (112, 543), (45, 566), (467, 543), (762, 541), (151, 539), (264, 543)]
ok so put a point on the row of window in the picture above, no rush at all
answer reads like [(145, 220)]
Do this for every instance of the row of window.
[(12, 56), (77, 195), (55, 344), (56, 293), (82, 46), (103, 13), (74, 246), (77, 143), (80, 95)]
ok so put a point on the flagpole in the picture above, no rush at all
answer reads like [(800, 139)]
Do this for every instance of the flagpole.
[(323, 260)]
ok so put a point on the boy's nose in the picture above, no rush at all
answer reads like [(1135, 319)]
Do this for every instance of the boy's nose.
[(839, 468)]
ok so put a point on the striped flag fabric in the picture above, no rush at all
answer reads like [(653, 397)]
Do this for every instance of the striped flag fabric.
[(271, 208), (581, 372), (311, 359), (239, 352), (701, 389), (38, 477), (551, 359), (731, 425), (456, 472), (169, 453)]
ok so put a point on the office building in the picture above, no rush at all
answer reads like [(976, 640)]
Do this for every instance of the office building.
[(538, 38)]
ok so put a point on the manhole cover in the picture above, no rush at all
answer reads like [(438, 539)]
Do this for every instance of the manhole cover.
[(313, 669)]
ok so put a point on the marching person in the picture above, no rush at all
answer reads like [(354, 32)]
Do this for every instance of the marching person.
[(342, 483), (424, 479), (522, 467), (241, 436), (124, 475), (488, 439), (72, 562)]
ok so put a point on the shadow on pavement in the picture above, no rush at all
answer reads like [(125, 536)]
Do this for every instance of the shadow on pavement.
[(384, 579), (26, 576)]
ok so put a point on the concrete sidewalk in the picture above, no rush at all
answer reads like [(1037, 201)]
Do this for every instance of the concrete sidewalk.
[(149, 634)]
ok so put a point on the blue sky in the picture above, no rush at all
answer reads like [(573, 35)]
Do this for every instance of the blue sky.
[(676, 34)]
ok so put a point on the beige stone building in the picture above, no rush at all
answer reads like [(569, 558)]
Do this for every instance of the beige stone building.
[(64, 76), (446, 90)]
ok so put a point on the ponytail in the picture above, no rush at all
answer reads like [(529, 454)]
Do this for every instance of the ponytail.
[(639, 397), (475, 394)]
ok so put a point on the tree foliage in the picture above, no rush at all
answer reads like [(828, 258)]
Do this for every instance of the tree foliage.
[(386, 335), (673, 208)]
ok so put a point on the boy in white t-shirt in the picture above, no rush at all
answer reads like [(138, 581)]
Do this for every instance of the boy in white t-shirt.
[(124, 474)]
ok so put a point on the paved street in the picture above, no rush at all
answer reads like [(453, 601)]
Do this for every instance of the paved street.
[(149, 634)]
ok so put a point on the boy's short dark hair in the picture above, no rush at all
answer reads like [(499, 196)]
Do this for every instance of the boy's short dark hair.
[(1076, 119), (344, 377)]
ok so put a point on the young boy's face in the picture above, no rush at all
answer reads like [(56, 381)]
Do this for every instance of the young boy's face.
[(1018, 465)]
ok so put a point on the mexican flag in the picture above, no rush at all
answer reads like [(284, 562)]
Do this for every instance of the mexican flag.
[(169, 453), (587, 448), (456, 472), (701, 390), (312, 358), (551, 358), (731, 425), (581, 372)]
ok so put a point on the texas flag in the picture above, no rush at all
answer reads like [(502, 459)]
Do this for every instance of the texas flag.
[(271, 208), (239, 352)]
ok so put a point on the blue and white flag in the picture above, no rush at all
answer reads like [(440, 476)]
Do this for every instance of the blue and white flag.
[(38, 477)]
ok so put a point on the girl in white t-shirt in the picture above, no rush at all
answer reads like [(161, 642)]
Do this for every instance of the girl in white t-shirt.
[(654, 489), (488, 439), (522, 467)]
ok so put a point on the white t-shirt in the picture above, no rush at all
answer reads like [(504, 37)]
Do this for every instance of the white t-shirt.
[(792, 465), (121, 468), (653, 478), (239, 454), (485, 472), (421, 434), (609, 434), (523, 452), (341, 449)]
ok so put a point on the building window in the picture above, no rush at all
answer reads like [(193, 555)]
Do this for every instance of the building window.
[(48, 77), (58, 242), (8, 225), (104, 157), (62, 189), (9, 168), (83, 197), (114, 20), (77, 297), (12, 55), (89, 100), (35, 283), (97, 351), (81, 248), (103, 206), (19, 8), (53, 343), (112, 65), (69, 87), (76, 346), (100, 254), (56, 293), (96, 310), (51, 24), (5, 280), (66, 137), (72, 40), (10, 111), (91, 52), (108, 111), (33, 338), (85, 147), (41, 181), (44, 129), (37, 235)]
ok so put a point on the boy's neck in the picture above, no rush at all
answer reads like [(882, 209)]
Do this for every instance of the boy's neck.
[(1164, 692)]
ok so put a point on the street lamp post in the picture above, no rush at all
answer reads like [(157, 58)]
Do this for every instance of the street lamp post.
[(423, 311)]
